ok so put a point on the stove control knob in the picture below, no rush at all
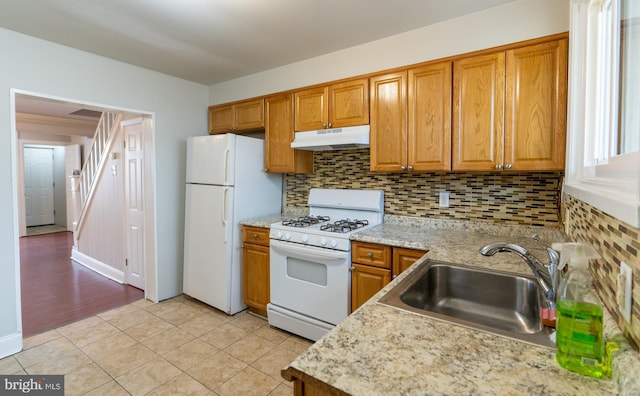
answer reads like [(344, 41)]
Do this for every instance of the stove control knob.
[(323, 241), (287, 236), (334, 243), (305, 238), (279, 234)]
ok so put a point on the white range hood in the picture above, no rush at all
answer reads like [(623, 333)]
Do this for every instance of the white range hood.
[(332, 139)]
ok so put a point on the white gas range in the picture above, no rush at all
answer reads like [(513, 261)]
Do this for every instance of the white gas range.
[(311, 260)]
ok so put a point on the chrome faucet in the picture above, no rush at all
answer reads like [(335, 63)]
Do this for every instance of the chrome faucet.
[(546, 274)]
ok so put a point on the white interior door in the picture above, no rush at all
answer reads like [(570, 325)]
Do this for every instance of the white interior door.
[(133, 135), (38, 186)]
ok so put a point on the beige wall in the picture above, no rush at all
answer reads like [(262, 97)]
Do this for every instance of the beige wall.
[(512, 22), (179, 109)]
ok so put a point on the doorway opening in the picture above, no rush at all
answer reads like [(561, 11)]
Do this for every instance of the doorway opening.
[(45, 125)]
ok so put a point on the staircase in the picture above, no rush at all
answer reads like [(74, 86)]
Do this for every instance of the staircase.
[(96, 160)]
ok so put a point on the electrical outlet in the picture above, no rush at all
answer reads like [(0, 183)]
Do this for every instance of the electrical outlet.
[(444, 199), (625, 279)]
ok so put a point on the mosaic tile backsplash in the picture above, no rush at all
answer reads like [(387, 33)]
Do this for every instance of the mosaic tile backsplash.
[(512, 198), (616, 242)]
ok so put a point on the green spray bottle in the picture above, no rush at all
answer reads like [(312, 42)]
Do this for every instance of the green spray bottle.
[(579, 325)]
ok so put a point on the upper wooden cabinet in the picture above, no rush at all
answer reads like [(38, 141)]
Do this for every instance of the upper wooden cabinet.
[(279, 156), (509, 109), (536, 106), (333, 106), (237, 117), (388, 127), (478, 112), (411, 120)]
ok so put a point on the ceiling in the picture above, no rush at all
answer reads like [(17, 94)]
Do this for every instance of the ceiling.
[(210, 41)]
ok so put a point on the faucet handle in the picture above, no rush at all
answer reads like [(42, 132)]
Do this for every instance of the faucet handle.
[(554, 257), (554, 262)]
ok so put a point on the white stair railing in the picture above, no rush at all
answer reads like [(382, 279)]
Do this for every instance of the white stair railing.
[(90, 167), (96, 160)]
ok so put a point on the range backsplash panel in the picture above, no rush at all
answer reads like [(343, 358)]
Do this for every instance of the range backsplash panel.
[(616, 242), (513, 198)]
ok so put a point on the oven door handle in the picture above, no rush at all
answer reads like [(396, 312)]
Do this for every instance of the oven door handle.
[(309, 252)]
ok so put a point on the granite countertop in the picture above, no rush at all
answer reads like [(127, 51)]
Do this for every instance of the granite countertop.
[(379, 350), (266, 221)]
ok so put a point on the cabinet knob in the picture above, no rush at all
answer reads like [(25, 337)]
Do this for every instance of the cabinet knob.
[(352, 269), (409, 168), (324, 126), (402, 167), (508, 166), (369, 254), (498, 166), (329, 125), (255, 236)]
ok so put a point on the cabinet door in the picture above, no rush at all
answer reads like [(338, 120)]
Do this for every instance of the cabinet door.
[(221, 119), (279, 156), (536, 106), (365, 282), (478, 112), (249, 115), (388, 142), (255, 259), (429, 123), (311, 109), (349, 103), (403, 258)]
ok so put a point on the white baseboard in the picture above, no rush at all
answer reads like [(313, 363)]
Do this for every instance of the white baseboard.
[(10, 344), (97, 266)]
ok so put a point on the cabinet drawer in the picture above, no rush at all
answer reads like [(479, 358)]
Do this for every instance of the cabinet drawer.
[(371, 254), (256, 235)]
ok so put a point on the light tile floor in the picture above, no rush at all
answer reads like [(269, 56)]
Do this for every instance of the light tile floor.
[(177, 347)]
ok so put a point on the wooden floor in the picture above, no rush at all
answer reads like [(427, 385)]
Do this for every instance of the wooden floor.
[(57, 291)]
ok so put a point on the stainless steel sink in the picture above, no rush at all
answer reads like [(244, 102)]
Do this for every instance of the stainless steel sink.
[(498, 302)]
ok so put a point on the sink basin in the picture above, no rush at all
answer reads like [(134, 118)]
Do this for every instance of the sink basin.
[(498, 302)]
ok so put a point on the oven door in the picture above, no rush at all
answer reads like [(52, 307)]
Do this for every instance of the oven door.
[(311, 281)]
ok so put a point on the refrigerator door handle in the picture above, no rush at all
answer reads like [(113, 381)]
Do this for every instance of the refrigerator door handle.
[(227, 166), (225, 211)]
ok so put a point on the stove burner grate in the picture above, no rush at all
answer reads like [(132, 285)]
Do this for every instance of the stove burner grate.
[(305, 221), (345, 225)]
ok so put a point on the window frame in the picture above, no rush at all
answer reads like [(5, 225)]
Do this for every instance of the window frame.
[(608, 182)]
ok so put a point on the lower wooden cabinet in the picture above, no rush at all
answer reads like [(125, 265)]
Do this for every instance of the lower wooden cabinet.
[(403, 258), (302, 388), (374, 265), (255, 261), (365, 282)]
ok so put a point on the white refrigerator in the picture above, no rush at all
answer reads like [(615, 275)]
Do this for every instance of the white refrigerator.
[(226, 183)]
